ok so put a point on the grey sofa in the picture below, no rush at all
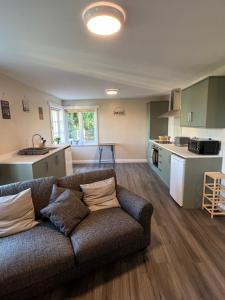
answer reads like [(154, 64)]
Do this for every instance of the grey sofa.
[(35, 261)]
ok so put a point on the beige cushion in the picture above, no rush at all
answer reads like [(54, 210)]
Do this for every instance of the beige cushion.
[(16, 213), (100, 195)]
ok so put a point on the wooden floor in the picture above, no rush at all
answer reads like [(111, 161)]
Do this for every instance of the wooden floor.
[(186, 259)]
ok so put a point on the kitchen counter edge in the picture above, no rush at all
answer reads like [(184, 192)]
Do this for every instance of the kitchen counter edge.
[(183, 151), (15, 158)]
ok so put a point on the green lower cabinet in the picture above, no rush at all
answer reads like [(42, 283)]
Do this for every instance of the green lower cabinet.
[(57, 164), (41, 168), (53, 165), (164, 165), (194, 176), (163, 169), (15, 172)]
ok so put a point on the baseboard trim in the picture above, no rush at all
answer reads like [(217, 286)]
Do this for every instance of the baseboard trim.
[(118, 161)]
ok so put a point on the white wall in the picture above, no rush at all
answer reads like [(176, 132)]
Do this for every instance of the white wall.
[(176, 130), (129, 132), (17, 132)]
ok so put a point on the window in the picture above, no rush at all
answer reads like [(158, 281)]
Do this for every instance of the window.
[(57, 122), (82, 126)]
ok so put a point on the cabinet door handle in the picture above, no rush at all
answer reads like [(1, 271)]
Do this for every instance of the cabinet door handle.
[(191, 115), (46, 166), (56, 160)]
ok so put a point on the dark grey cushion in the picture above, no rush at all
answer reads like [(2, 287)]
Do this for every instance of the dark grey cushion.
[(40, 189), (56, 191), (104, 232), (73, 182), (67, 211), (33, 256)]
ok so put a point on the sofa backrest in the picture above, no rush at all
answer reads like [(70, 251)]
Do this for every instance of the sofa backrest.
[(74, 181), (40, 188)]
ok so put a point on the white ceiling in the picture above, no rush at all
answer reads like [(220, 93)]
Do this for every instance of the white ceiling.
[(164, 45)]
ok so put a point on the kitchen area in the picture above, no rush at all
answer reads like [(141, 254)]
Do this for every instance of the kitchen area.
[(40, 160), (187, 141)]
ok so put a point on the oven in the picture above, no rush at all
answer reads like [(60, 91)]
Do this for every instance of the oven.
[(155, 156)]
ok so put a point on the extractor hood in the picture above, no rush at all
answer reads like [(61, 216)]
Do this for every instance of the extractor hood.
[(175, 102)]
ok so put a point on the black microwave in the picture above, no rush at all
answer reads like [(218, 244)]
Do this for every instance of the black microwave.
[(204, 146)]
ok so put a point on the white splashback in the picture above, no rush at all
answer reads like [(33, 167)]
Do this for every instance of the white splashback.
[(176, 130)]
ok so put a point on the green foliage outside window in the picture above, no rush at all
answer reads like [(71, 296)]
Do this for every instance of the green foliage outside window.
[(74, 127)]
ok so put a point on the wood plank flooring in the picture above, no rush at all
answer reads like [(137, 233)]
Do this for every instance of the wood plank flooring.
[(186, 259)]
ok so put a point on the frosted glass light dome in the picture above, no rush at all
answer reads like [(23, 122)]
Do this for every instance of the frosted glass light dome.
[(104, 18), (112, 92)]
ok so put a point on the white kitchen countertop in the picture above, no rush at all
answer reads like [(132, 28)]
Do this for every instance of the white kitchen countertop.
[(183, 151), (15, 158)]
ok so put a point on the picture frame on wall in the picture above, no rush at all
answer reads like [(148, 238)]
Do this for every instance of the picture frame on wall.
[(25, 104), (119, 111), (5, 109), (41, 113)]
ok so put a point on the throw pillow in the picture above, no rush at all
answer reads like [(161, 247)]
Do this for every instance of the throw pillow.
[(100, 195), (56, 191), (16, 213), (67, 211)]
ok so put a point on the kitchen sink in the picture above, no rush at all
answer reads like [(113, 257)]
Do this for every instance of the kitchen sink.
[(33, 151)]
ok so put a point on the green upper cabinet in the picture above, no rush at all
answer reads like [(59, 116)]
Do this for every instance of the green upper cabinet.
[(157, 126), (203, 104)]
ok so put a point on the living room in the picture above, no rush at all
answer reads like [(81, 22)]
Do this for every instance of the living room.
[(112, 150)]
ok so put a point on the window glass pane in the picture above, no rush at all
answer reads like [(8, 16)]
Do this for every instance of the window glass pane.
[(57, 123), (73, 128), (82, 127), (55, 127), (88, 133)]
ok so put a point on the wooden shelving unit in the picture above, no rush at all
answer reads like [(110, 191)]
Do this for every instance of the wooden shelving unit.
[(213, 193)]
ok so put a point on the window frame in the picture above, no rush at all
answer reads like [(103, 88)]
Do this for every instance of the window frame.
[(80, 110), (61, 123)]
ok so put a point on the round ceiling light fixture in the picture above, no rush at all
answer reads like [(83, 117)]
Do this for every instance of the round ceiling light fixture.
[(104, 18), (112, 92)]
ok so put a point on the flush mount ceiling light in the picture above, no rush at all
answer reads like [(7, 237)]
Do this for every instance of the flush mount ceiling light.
[(112, 92), (104, 18)]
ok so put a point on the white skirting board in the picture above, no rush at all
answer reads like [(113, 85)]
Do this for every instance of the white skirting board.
[(118, 161)]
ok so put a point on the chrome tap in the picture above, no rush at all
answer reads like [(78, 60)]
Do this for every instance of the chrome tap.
[(42, 142)]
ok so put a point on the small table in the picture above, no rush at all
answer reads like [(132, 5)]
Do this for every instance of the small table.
[(109, 145)]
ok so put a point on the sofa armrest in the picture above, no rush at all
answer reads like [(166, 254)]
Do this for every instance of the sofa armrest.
[(139, 208)]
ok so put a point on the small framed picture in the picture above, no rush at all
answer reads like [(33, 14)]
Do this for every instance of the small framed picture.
[(5, 109), (119, 111), (41, 114), (25, 104)]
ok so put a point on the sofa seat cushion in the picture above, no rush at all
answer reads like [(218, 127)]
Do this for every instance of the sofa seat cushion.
[(33, 256), (106, 232)]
